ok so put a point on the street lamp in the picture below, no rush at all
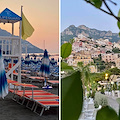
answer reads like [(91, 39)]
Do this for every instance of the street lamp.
[(106, 76)]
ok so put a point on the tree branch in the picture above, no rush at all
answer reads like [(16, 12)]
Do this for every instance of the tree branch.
[(108, 8), (112, 14), (98, 8), (109, 13), (112, 2)]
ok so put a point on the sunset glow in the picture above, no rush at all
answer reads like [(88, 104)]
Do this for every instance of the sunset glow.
[(43, 16)]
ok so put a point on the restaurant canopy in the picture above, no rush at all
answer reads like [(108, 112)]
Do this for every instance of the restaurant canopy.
[(7, 16)]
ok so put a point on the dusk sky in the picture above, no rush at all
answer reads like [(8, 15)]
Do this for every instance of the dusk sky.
[(43, 16), (78, 12)]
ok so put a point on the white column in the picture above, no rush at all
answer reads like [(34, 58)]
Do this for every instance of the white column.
[(11, 67), (26, 49), (2, 47), (12, 29), (20, 31), (12, 50), (12, 40)]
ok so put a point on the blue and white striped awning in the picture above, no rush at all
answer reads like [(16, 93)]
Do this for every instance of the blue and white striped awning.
[(7, 16)]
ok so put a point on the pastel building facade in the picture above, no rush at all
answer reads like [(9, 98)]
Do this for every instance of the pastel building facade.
[(93, 69), (109, 57), (74, 59), (117, 62), (78, 46)]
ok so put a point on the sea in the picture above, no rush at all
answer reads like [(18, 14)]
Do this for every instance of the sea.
[(39, 56)]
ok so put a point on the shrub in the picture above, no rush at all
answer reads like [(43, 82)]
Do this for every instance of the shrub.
[(93, 94), (110, 88), (119, 87), (115, 86), (102, 90), (89, 94), (100, 99), (96, 104)]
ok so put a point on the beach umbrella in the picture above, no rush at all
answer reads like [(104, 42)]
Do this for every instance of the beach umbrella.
[(15, 61), (39, 61), (27, 59), (45, 66), (52, 61), (35, 61), (22, 59), (31, 60), (3, 79)]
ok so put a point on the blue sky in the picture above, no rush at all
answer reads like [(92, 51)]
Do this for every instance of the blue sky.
[(78, 12)]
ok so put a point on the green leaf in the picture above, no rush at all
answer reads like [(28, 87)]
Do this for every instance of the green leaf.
[(118, 24), (119, 34), (72, 97), (118, 101), (71, 41), (65, 66), (106, 113), (97, 3), (119, 13), (66, 50)]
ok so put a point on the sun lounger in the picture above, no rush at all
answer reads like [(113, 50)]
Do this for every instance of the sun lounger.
[(29, 93), (23, 95), (38, 94), (11, 81), (38, 97), (35, 78), (46, 96), (25, 71), (53, 82), (48, 103), (22, 75), (41, 78), (35, 94), (45, 105), (31, 90), (10, 90)]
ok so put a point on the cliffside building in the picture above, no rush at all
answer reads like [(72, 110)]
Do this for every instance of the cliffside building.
[(109, 57)]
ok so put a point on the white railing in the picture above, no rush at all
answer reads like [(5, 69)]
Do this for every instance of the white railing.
[(12, 69), (9, 45), (9, 38)]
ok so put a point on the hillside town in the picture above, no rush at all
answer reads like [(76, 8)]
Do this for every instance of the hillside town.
[(100, 52)]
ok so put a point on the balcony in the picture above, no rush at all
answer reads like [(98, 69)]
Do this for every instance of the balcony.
[(10, 46)]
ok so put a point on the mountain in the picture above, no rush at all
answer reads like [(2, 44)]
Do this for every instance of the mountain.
[(30, 48), (73, 31)]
